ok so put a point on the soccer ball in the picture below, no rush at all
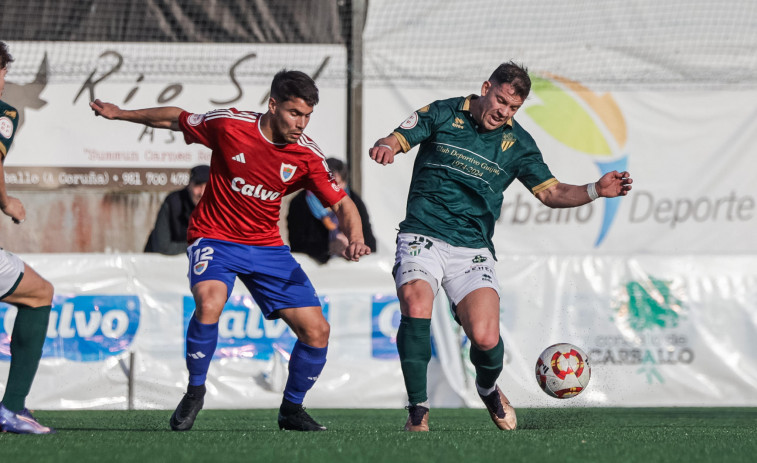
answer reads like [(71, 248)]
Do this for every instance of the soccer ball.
[(563, 370)]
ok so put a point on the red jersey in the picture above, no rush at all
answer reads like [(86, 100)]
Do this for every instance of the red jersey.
[(248, 177)]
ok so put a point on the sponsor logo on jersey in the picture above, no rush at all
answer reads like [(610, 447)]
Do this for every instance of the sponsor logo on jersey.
[(11, 114), (459, 123), (410, 122), (424, 109), (82, 328), (287, 172), (256, 191), (195, 119), (508, 140), (478, 259), (6, 127), (239, 158)]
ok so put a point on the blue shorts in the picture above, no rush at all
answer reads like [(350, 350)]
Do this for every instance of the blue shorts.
[(275, 280)]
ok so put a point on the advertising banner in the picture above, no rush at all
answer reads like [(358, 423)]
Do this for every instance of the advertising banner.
[(60, 143), (692, 192), (659, 331)]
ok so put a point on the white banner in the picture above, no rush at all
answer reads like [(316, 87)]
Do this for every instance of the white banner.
[(61, 143), (693, 192), (659, 331)]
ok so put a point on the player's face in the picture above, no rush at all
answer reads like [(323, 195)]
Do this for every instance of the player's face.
[(497, 104), (289, 119)]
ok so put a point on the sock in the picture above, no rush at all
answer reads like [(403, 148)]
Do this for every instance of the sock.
[(414, 347), (305, 365), (196, 391), (289, 408), (201, 345), (27, 340), (488, 364)]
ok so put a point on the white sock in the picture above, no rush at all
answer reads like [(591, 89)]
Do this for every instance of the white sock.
[(485, 392), (422, 404)]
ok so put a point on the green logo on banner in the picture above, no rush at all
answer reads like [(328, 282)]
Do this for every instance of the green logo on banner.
[(647, 309), (650, 304)]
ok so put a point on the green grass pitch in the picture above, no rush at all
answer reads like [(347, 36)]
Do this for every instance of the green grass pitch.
[(457, 435)]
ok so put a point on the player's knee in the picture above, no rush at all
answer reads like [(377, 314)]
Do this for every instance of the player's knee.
[(208, 312), (417, 310), (46, 293), (41, 295), (316, 334), (416, 305), (484, 339)]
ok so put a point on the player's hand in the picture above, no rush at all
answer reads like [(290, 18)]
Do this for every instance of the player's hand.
[(383, 154), (106, 110), (14, 209), (355, 251), (338, 245), (614, 184)]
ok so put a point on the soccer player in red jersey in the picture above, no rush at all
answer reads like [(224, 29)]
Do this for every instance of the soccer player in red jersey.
[(233, 231)]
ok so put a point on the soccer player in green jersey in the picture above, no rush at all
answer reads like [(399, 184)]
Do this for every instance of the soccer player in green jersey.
[(471, 150), (21, 286)]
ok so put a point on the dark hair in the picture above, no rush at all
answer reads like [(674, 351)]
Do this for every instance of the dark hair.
[(515, 75), (5, 56), (338, 167), (288, 85)]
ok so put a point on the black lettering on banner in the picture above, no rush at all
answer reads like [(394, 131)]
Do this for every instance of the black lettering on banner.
[(169, 93), (89, 84), (233, 77)]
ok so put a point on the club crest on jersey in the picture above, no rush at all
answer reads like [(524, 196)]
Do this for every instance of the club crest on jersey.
[(200, 267), (6, 127), (508, 140), (195, 119), (410, 122), (287, 172)]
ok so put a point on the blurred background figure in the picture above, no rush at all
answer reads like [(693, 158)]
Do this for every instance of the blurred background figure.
[(169, 235), (314, 229)]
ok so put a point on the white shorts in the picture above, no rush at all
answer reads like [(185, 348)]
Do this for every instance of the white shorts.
[(460, 270), (11, 270)]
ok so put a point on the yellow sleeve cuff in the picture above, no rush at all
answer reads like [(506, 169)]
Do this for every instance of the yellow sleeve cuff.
[(544, 185), (404, 145)]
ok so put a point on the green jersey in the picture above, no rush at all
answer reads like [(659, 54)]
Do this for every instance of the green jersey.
[(8, 125), (460, 173)]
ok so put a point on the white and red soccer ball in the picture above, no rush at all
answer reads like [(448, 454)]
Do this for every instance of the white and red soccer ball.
[(563, 370)]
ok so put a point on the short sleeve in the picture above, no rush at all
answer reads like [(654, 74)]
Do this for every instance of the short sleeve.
[(196, 128), (418, 127), (8, 126), (322, 184), (534, 173)]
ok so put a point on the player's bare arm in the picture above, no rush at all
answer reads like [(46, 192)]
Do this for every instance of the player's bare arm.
[(561, 195), (352, 227), (11, 206), (161, 118), (385, 149)]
